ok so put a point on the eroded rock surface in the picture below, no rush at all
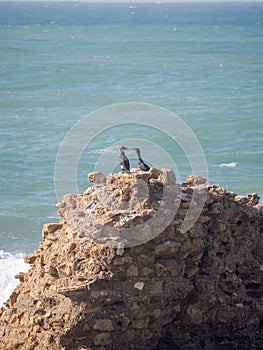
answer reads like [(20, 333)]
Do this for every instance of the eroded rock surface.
[(112, 275)]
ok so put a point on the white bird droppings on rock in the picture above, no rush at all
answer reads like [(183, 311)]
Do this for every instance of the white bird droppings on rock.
[(139, 285)]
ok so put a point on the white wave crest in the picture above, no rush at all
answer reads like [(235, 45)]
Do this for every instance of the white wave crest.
[(228, 165), (10, 265)]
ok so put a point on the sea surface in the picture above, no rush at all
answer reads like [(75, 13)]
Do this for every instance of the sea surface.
[(59, 62)]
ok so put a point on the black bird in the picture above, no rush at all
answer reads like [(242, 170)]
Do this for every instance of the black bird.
[(124, 161), (141, 163)]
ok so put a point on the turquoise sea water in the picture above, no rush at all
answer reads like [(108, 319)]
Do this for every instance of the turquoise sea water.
[(62, 61)]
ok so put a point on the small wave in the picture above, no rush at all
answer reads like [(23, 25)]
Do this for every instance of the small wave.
[(106, 150), (10, 265), (228, 165), (102, 57), (7, 255), (48, 54)]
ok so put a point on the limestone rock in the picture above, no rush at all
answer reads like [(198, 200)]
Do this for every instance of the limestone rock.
[(93, 284), (196, 180), (97, 177)]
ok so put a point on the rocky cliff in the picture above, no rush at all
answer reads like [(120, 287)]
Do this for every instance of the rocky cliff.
[(119, 272)]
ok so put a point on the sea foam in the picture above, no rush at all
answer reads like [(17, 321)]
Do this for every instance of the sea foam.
[(10, 265)]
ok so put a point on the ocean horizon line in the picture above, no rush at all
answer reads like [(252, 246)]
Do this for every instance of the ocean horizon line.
[(140, 2)]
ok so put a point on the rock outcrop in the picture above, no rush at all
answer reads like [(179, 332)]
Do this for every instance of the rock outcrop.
[(119, 272)]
